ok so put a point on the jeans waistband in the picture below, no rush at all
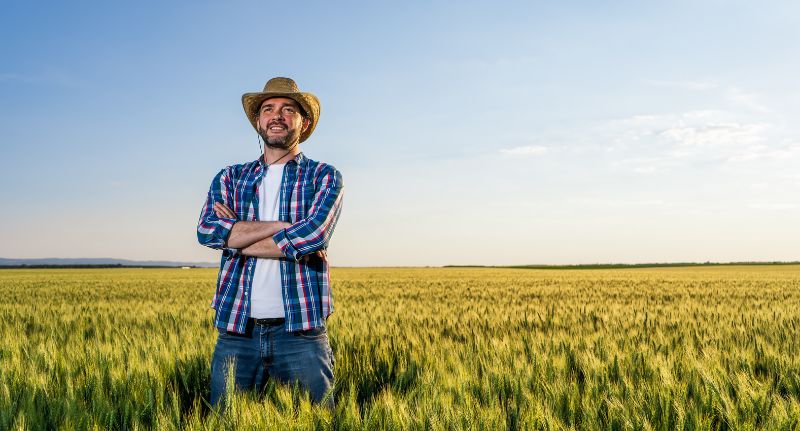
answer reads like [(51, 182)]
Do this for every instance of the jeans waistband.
[(272, 321)]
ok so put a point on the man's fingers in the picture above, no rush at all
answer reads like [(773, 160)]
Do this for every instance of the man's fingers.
[(223, 211)]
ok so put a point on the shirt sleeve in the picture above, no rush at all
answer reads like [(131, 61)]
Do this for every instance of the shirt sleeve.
[(213, 231), (314, 232)]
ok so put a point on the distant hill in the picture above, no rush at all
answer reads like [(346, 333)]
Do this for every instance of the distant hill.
[(100, 262)]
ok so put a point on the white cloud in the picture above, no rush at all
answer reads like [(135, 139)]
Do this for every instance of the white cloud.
[(744, 99), (661, 142), (715, 134), (731, 94), (528, 150)]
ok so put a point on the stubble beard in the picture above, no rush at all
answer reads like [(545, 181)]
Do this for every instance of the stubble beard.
[(280, 142)]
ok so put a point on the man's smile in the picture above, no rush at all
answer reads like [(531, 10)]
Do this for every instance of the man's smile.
[(277, 128)]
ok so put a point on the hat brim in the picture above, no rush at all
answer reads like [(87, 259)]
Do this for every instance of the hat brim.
[(251, 102)]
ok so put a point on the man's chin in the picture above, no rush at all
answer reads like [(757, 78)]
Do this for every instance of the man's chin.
[(279, 144), (283, 142)]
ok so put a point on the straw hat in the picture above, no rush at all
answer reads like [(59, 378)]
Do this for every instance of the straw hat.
[(282, 87)]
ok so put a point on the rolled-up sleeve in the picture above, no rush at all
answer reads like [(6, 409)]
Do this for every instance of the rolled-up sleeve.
[(213, 231), (314, 232)]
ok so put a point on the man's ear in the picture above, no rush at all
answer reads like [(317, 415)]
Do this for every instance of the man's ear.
[(306, 123)]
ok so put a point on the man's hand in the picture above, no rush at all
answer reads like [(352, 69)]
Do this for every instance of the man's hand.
[(222, 211), (246, 233)]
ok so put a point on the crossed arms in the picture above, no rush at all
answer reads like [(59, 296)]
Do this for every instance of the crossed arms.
[(219, 227), (254, 238)]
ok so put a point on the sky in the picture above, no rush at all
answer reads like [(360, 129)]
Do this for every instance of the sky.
[(489, 133)]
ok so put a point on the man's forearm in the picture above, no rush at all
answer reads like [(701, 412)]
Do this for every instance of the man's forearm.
[(247, 233), (265, 248)]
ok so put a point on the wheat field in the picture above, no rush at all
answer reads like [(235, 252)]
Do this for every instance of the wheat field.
[(706, 348)]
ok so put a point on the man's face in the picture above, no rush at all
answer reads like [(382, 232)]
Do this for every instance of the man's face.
[(280, 123)]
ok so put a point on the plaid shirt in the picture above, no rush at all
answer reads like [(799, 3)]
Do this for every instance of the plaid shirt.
[(311, 199)]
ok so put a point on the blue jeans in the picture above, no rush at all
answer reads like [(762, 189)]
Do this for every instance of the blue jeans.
[(269, 352)]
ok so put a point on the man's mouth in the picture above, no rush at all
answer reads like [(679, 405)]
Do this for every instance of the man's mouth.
[(276, 128)]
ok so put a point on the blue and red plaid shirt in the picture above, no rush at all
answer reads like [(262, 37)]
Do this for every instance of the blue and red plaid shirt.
[(311, 199)]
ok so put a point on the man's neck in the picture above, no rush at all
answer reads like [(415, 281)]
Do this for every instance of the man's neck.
[(280, 155)]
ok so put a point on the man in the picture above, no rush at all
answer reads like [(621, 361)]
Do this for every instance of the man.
[(273, 218)]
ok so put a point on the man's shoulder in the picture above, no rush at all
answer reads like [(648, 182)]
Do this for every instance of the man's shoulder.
[(321, 168), (235, 171)]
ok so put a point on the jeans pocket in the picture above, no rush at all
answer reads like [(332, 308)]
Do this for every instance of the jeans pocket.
[(312, 334)]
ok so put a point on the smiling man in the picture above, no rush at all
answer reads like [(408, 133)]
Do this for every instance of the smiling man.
[(273, 219)]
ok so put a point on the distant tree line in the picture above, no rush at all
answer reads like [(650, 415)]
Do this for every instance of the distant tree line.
[(624, 265)]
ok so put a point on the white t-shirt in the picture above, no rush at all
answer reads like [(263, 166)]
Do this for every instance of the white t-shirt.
[(266, 297)]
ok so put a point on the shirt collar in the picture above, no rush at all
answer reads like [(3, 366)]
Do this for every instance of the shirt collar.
[(299, 159)]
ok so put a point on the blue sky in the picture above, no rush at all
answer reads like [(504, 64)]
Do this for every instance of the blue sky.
[(467, 133)]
